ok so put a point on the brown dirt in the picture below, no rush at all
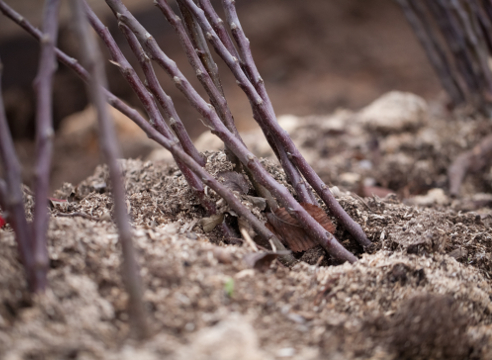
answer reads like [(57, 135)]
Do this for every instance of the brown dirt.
[(422, 293)]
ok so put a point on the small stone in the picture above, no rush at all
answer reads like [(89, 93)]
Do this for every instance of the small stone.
[(395, 112), (433, 196)]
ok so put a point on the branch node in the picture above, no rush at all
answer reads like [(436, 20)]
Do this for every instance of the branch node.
[(45, 39)]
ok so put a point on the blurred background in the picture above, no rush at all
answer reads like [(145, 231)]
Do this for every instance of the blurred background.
[(315, 56)]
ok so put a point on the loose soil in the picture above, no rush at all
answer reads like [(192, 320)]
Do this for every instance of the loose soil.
[(422, 292)]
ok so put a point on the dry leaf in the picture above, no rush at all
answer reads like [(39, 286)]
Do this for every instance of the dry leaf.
[(234, 181), (209, 223), (288, 229)]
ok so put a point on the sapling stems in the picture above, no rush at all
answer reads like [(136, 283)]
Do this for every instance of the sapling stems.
[(199, 42), (43, 85), (13, 198), (312, 227), (193, 42), (267, 115), (109, 146), (454, 39), (218, 25), (475, 43)]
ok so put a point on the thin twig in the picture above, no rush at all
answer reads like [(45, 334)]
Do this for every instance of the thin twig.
[(44, 141), (13, 199), (109, 145), (416, 18)]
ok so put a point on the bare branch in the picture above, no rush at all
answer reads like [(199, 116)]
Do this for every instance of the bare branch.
[(471, 161), (96, 83)]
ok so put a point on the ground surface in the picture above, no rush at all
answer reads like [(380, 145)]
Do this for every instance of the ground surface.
[(422, 293)]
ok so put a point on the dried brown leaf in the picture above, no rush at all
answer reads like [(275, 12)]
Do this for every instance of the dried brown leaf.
[(288, 229), (234, 181)]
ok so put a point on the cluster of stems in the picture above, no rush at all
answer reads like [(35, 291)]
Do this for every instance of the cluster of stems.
[(199, 29), (457, 37)]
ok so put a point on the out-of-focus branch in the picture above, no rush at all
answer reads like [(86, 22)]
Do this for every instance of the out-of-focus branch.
[(13, 198), (109, 146), (44, 141), (417, 20), (471, 161)]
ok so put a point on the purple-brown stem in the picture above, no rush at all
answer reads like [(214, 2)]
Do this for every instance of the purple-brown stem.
[(313, 228), (3, 195), (462, 21), (109, 146), (415, 16), (218, 25), (162, 98), (454, 39), (267, 115), (43, 85), (13, 198)]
